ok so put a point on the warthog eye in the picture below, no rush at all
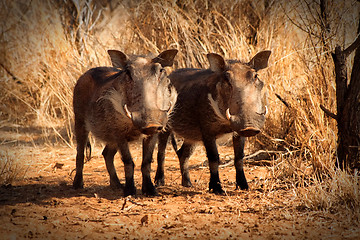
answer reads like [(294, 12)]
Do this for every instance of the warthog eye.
[(162, 73), (227, 76), (249, 75)]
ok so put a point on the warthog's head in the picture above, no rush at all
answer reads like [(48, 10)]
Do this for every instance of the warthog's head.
[(147, 96), (240, 93)]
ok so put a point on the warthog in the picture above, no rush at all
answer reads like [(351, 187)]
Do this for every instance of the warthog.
[(120, 104), (228, 97)]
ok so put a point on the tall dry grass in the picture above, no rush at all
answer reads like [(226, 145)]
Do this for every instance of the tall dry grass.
[(46, 45)]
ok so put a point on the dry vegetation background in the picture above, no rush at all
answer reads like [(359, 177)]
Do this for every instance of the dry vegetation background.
[(46, 45)]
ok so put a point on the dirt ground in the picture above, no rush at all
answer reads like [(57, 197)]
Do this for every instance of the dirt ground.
[(43, 204)]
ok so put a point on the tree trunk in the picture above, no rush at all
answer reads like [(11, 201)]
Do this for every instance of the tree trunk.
[(350, 136), (348, 106)]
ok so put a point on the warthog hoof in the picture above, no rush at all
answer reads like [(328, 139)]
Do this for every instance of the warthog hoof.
[(116, 185), (242, 186), (186, 183), (78, 182), (241, 181), (159, 182), (216, 188), (149, 191), (129, 189), (159, 179), (148, 188)]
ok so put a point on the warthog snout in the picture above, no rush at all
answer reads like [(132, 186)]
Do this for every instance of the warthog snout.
[(245, 128), (143, 121), (249, 132), (246, 125), (151, 129)]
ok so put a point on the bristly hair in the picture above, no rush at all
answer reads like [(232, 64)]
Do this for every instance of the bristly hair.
[(116, 100), (216, 109)]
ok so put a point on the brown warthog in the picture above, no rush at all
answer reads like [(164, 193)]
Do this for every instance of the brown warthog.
[(120, 104), (228, 97)]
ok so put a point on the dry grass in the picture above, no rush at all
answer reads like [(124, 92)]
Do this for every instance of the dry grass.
[(341, 191), (11, 167), (44, 49)]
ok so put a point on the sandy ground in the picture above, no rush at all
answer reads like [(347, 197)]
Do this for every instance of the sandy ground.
[(43, 204)]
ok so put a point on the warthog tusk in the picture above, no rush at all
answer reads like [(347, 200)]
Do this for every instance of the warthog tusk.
[(170, 107), (128, 113), (228, 115), (265, 112)]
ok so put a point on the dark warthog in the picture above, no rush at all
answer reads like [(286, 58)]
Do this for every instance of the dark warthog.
[(120, 105), (228, 97)]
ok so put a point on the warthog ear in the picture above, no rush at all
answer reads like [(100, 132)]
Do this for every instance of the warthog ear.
[(217, 62), (260, 60), (118, 58), (166, 58)]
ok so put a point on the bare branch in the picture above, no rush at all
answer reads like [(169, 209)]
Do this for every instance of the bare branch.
[(282, 100), (8, 72), (295, 23), (328, 112), (352, 47)]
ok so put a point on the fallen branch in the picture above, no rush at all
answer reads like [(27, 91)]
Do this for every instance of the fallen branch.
[(124, 204), (136, 203), (261, 157), (260, 154)]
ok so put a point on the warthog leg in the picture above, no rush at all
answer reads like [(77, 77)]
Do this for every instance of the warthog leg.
[(128, 168), (109, 153), (81, 139), (239, 143), (160, 177), (148, 187), (214, 160), (184, 154)]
